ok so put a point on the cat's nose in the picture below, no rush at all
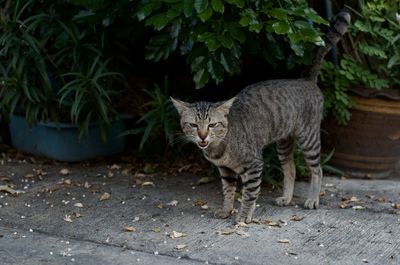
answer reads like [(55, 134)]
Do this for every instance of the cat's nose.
[(202, 136)]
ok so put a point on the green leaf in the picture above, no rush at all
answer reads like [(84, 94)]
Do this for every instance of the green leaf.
[(198, 63), (237, 33), (278, 13), (281, 27), (227, 42), (228, 63), (238, 3), (297, 48), (201, 78), (256, 27), (210, 40), (218, 6), (394, 60), (216, 70), (200, 5), (158, 21), (205, 15), (188, 6)]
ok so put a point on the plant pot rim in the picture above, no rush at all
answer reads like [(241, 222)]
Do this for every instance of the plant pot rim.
[(388, 93), (67, 125)]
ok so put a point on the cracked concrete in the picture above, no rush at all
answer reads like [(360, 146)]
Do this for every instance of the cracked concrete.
[(33, 229)]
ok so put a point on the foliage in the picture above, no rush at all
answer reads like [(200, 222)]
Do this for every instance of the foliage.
[(214, 35), (160, 121), (273, 173), (372, 57), (53, 67)]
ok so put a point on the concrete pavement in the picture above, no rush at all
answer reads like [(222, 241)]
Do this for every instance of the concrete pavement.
[(161, 219)]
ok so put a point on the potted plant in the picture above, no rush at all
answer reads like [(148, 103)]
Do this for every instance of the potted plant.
[(363, 93), (55, 85)]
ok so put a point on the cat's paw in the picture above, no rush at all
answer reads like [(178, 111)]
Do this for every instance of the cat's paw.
[(222, 214), (242, 219), (311, 203), (282, 201)]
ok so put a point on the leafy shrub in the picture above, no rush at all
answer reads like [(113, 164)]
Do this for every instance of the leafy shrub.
[(54, 68), (214, 35), (371, 57)]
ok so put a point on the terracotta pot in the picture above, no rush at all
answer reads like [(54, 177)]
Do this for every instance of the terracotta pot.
[(369, 145)]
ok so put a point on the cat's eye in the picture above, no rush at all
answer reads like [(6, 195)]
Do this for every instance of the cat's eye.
[(193, 125), (212, 125)]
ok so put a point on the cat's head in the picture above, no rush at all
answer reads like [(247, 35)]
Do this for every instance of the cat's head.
[(204, 122)]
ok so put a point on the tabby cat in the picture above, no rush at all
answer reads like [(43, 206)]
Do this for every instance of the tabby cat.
[(233, 133)]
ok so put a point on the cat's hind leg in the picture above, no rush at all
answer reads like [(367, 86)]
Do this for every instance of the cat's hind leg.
[(229, 180), (311, 145), (285, 154)]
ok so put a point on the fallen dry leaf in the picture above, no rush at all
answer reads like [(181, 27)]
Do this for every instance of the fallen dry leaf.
[(284, 241), (105, 196), (173, 203), (175, 234), (160, 205), (351, 199), (67, 218), (242, 224), (204, 207), (380, 199), (86, 185), (296, 218), (147, 184), (78, 204), (396, 206), (129, 229), (205, 180), (125, 172), (29, 176), (66, 181), (179, 247), (226, 231), (199, 202), (184, 168), (8, 189), (110, 174), (77, 215), (115, 167), (156, 229), (242, 233), (270, 223), (4, 178), (65, 171), (40, 172)]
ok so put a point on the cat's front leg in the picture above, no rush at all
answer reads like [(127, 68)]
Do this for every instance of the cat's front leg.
[(228, 179), (251, 190)]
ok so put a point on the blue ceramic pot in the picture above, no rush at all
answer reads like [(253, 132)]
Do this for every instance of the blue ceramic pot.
[(60, 141)]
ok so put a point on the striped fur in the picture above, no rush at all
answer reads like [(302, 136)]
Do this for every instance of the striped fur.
[(232, 134)]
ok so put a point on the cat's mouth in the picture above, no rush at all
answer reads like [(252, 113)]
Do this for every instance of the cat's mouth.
[(202, 144)]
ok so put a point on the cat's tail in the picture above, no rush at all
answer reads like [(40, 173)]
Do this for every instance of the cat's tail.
[(339, 25)]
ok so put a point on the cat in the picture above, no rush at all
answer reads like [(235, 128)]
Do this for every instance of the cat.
[(233, 133)]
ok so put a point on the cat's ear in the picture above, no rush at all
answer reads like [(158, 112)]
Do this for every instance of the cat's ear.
[(226, 105), (180, 105)]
